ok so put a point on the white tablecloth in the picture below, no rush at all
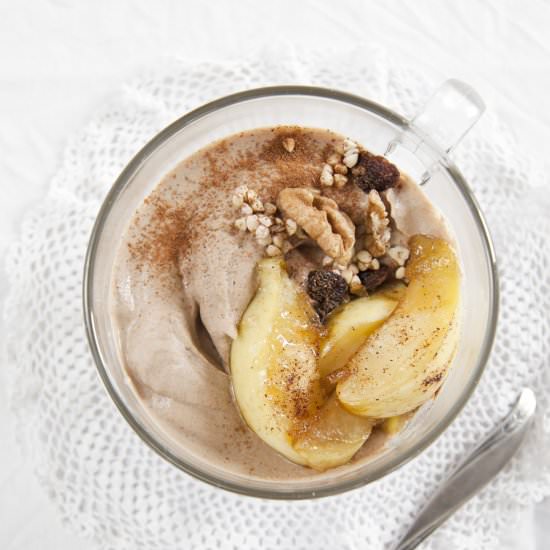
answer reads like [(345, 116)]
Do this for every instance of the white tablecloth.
[(59, 61)]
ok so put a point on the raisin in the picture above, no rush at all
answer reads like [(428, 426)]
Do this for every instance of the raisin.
[(374, 172), (372, 279), (327, 289)]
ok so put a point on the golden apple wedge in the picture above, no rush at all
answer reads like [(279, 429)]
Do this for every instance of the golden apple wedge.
[(273, 360), (349, 327), (404, 362), (331, 437)]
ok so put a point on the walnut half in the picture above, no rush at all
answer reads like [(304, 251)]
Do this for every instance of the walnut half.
[(321, 219)]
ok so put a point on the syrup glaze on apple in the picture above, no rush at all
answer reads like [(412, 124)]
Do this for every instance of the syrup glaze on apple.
[(184, 277)]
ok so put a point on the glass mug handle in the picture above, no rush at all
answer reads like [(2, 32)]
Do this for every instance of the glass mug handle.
[(438, 127)]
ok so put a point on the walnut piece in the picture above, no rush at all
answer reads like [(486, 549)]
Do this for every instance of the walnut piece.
[(321, 219), (377, 225), (372, 279)]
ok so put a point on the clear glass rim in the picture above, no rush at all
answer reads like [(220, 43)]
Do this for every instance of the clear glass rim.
[(88, 293)]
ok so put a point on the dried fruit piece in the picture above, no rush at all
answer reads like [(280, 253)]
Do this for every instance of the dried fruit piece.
[(327, 289), (374, 172), (372, 279)]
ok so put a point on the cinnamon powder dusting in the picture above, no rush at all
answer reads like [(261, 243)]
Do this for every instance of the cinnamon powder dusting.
[(160, 240), (175, 223)]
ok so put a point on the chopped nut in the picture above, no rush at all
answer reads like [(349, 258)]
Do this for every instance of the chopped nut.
[(251, 195), (340, 181), (334, 158), (373, 279), (262, 232), (301, 234), (270, 208), (278, 240), (377, 224), (257, 205), (326, 178), (241, 191), (350, 160), (237, 201), (291, 226), (278, 226), (355, 286), (375, 264), (374, 172), (273, 251), (363, 259), (341, 169), (399, 254), (264, 241), (246, 210), (326, 261), (400, 273), (322, 220), (363, 256), (240, 224), (349, 145), (354, 269), (289, 144), (265, 220), (327, 289), (252, 222), (378, 245), (348, 275)]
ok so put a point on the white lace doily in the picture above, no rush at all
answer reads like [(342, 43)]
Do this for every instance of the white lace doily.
[(110, 487)]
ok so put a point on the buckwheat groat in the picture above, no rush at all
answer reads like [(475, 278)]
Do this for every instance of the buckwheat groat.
[(305, 211)]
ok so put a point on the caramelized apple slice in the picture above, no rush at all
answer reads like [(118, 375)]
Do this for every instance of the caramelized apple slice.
[(274, 360), (393, 291), (331, 437), (349, 327), (395, 424), (404, 362)]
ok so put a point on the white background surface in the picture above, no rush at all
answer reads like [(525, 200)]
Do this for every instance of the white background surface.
[(60, 60)]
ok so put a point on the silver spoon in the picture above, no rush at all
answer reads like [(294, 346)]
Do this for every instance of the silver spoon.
[(477, 469)]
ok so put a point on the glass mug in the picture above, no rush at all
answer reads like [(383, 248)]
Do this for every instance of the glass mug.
[(420, 148)]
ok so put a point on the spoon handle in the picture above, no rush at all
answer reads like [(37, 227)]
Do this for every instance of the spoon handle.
[(479, 467)]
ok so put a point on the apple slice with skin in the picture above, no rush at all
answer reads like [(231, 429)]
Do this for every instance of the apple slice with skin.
[(274, 360), (404, 362)]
